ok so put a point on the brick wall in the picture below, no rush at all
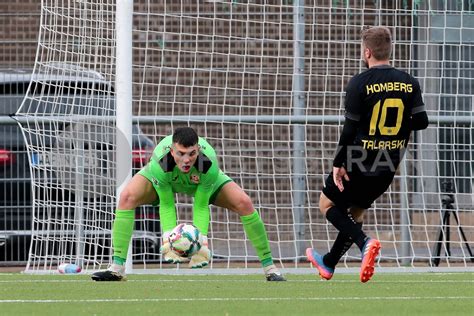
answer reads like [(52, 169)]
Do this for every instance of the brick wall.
[(219, 64), (19, 25)]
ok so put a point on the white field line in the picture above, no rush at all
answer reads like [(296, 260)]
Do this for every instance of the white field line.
[(242, 299), (238, 281)]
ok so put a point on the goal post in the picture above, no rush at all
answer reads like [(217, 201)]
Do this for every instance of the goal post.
[(124, 100), (264, 84)]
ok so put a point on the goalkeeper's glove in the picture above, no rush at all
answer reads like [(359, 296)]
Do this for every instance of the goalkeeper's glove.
[(168, 254), (202, 257)]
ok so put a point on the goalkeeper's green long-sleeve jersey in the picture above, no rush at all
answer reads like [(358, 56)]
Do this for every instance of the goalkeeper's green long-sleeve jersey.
[(199, 182)]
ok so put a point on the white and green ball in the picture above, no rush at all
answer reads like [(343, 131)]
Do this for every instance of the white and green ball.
[(185, 240)]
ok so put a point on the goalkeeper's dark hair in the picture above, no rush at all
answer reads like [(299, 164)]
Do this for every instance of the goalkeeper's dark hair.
[(185, 136), (379, 40)]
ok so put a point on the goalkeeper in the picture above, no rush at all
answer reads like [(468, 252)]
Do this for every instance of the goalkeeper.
[(184, 163)]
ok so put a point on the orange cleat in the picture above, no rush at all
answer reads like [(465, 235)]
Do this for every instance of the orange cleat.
[(317, 260), (369, 253)]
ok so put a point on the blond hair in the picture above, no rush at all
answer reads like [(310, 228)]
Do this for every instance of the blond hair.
[(379, 40)]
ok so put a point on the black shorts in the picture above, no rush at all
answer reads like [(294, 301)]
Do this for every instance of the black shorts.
[(361, 191)]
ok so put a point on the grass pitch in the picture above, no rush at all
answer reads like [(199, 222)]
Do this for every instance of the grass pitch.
[(385, 294)]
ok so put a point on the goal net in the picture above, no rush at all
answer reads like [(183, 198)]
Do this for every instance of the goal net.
[(264, 84)]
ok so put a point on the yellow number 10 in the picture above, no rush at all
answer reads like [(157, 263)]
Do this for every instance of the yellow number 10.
[(386, 130)]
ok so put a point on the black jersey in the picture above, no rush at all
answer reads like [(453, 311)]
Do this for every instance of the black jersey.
[(382, 101)]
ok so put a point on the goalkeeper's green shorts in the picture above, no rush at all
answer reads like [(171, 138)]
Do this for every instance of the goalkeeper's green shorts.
[(222, 179)]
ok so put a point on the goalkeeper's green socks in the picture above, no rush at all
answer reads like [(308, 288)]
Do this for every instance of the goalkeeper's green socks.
[(122, 230), (257, 234)]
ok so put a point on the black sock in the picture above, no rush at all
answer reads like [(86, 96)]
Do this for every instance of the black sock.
[(341, 245), (344, 222)]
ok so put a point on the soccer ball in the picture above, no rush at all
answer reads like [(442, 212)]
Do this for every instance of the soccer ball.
[(68, 268), (185, 240)]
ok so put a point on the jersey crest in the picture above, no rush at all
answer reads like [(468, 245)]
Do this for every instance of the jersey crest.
[(194, 178)]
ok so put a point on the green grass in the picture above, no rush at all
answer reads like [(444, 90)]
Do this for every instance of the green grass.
[(385, 294)]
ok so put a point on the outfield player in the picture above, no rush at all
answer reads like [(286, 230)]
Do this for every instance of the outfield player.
[(383, 105), (184, 163)]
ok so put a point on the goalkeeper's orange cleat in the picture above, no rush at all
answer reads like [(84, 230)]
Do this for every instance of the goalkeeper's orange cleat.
[(316, 259), (369, 253)]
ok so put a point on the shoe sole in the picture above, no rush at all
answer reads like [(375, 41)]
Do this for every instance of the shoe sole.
[(99, 278), (316, 265), (275, 278), (108, 280), (367, 268)]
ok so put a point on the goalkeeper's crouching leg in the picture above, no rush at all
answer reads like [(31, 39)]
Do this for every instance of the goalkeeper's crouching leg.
[(115, 272), (273, 274)]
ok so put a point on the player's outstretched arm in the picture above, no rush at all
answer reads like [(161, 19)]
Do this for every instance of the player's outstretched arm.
[(419, 121), (349, 132), (419, 118), (201, 216)]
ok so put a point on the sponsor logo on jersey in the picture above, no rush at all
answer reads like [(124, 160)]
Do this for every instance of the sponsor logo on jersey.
[(194, 178), (155, 181)]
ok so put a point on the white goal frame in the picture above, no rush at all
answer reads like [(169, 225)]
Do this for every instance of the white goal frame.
[(295, 138)]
